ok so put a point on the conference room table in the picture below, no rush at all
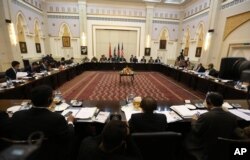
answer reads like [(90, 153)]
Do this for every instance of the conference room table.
[(114, 107), (190, 79)]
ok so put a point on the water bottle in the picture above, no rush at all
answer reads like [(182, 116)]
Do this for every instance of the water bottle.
[(130, 98)]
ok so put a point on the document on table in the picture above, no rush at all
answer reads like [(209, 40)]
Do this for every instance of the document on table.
[(102, 117), (240, 114), (171, 116), (129, 110), (73, 110), (227, 105), (21, 74), (86, 113), (183, 111)]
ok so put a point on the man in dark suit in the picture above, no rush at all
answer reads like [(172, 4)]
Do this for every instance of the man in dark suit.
[(143, 60), (208, 126), (200, 68), (211, 71), (157, 60), (57, 131), (135, 60), (11, 72), (148, 121), (34, 68)]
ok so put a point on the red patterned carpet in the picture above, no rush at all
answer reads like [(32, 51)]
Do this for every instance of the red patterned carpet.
[(106, 86)]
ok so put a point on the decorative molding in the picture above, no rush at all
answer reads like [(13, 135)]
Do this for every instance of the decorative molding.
[(229, 4), (197, 15), (27, 6), (166, 21), (63, 17), (116, 19), (234, 22)]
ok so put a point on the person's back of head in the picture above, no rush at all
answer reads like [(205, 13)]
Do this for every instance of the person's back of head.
[(148, 104), (41, 96), (114, 136), (214, 99)]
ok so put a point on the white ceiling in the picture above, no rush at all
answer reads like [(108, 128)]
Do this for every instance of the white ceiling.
[(178, 2)]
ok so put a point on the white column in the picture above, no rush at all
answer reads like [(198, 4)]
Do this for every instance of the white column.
[(179, 41), (149, 24), (8, 40), (209, 42), (46, 31), (83, 21)]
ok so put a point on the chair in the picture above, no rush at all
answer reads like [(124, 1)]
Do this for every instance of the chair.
[(226, 147), (156, 145)]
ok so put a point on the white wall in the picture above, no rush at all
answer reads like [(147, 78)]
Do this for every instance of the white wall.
[(220, 47), (240, 35)]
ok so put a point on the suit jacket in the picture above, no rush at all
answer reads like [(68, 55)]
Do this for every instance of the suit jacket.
[(148, 122), (201, 69), (54, 127), (213, 73), (209, 126), (10, 73)]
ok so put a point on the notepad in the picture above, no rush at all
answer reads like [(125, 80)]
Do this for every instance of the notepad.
[(102, 117), (129, 110), (86, 113), (183, 111), (73, 110), (240, 114)]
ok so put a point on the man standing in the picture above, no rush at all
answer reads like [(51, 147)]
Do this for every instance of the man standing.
[(11, 72)]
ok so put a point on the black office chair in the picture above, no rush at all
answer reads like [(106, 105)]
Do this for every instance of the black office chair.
[(226, 147), (156, 145)]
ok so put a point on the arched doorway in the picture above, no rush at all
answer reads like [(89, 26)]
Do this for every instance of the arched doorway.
[(21, 30)]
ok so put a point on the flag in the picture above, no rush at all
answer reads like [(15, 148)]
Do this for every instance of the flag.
[(122, 50), (118, 50), (110, 50), (114, 51)]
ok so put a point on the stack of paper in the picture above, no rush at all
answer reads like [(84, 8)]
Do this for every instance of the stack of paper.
[(240, 114), (102, 117), (21, 74), (171, 116), (183, 111), (86, 113), (227, 105), (61, 107)]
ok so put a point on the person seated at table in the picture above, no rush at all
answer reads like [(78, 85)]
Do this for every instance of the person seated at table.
[(200, 68), (103, 59), (62, 62), (115, 59), (122, 60), (150, 60), (207, 127), (110, 58), (94, 60), (57, 131), (211, 71), (135, 60), (70, 61), (181, 56), (85, 59), (11, 72), (127, 70), (148, 121), (131, 59), (44, 66), (114, 143), (143, 60), (157, 60), (34, 68)]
